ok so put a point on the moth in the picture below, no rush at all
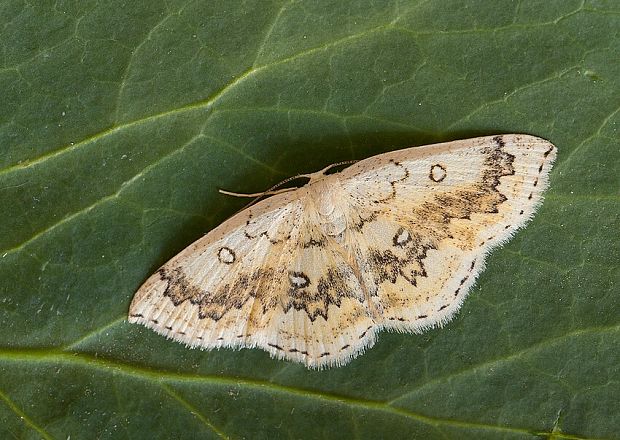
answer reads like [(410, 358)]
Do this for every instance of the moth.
[(313, 274)]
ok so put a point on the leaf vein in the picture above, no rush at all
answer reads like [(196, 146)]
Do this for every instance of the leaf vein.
[(159, 376), (514, 356), (24, 417), (504, 99), (594, 135), (192, 409), (198, 106), (135, 50), (267, 35), (115, 195)]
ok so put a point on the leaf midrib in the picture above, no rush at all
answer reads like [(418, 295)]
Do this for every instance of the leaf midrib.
[(152, 375), (160, 377)]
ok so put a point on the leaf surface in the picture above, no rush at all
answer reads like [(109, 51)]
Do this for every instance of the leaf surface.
[(120, 120)]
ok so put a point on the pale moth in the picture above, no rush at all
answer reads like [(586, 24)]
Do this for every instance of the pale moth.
[(393, 242)]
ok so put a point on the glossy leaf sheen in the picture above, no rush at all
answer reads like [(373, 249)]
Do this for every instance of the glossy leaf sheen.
[(120, 120)]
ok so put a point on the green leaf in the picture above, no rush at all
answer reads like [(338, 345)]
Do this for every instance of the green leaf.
[(120, 120)]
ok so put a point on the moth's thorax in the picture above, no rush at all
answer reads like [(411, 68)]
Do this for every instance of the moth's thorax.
[(324, 198)]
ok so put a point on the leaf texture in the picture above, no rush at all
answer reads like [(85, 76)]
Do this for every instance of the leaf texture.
[(120, 120)]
